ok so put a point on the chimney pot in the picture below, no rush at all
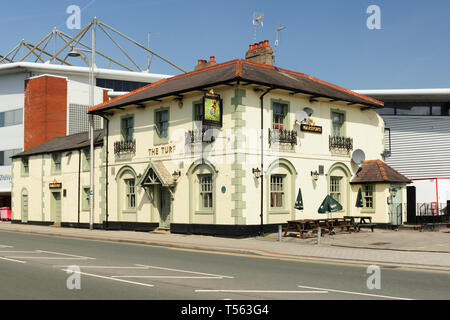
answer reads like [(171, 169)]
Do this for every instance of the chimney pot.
[(212, 59), (260, 52)]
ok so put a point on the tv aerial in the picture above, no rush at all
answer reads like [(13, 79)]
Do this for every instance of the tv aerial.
[(277, 41), (257, 21)]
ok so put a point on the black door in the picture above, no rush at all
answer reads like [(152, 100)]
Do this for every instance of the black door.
[(411, 204)]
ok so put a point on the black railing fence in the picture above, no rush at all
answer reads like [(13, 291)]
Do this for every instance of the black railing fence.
[(125, 147), (193, 136), (337, 142), (283, 136)]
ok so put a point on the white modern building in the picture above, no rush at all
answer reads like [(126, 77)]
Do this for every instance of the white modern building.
[(417, 123), (14, 95)]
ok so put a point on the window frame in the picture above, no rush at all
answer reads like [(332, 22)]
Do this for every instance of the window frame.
[(85, 203), (158, 139), (342, 130), (55, 170), (372, 196), (125, 130), (25, 169), (285, 122), (203, 192), (282, 192), (339, 185), (130, 197), (86, 159)]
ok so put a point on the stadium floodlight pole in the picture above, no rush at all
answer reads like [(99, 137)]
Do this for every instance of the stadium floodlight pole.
[(91, 128), (77, 53)]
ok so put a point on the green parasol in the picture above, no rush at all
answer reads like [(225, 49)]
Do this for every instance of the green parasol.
[(299, 203), (359, 199)]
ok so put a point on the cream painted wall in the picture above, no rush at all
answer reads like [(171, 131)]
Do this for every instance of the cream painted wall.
[(39, 193), (365, 127)]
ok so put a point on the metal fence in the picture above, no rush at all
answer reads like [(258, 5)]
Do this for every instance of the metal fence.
[(431, 213), (431, 209)]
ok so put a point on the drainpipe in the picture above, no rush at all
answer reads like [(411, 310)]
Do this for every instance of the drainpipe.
[(79, 184), (105, 142), (261, 98)]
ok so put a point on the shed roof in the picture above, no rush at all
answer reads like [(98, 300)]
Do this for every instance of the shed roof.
[(241, 71), (65, 143)]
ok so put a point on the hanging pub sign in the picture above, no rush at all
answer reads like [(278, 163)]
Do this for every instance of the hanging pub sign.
[(212, 109), (310, 128)]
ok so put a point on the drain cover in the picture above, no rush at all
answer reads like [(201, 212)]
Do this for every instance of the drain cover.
[(379, 243)]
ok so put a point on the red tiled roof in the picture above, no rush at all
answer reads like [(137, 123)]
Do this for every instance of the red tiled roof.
[(238, 70), (377, 171)]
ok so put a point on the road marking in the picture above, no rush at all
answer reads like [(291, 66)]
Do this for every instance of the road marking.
[(260, 291), (12, 260), (19, 251), (185, 271), (168, 277), (357, 293), (65, 254), (5, 246), (101, 267), (316, 260), (110, 278), (48, 258)]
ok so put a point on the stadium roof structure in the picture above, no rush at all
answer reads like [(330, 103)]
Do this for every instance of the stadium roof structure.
[(65, 45)]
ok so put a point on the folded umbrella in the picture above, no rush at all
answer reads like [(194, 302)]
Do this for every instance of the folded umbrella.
[(299, 202), (359, 199)]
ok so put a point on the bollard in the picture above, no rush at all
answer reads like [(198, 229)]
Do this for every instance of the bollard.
[(279, 232), (319, 233)]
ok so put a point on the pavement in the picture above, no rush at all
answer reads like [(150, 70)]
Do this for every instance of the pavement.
[(428, 250)]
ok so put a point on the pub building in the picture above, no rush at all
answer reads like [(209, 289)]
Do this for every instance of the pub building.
[(222, 150)]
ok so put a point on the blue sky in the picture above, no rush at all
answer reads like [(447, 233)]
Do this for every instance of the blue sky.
[(324, 38)]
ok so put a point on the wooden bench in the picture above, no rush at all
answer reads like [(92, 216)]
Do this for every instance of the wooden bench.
[(364, 222), (298, 226)]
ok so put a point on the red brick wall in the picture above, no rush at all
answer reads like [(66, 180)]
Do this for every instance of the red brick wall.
[(45, 111)]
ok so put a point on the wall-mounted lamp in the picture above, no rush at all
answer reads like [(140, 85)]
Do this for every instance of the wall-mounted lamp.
[(393, 192), (256, 173), (176, 175), (315, 175)]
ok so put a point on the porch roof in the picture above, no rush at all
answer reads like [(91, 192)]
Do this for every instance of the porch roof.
[(377, 171)]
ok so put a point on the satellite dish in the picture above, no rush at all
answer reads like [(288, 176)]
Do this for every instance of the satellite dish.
[(301, 116), (309, 111), (358, 156)]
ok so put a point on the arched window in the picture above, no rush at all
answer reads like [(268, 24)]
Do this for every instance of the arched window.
[(126, 191), (202, 192), (339, 185), (281, 178)]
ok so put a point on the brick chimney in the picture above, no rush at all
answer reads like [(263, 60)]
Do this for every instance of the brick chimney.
[(204, 64), (260, 52)]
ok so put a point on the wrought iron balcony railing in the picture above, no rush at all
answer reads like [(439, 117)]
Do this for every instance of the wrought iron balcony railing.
[(283, 136), (193, 136), (125, 147), (341, 143)]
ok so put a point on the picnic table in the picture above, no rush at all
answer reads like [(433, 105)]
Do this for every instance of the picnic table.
[(360, 222), (311, 225)]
